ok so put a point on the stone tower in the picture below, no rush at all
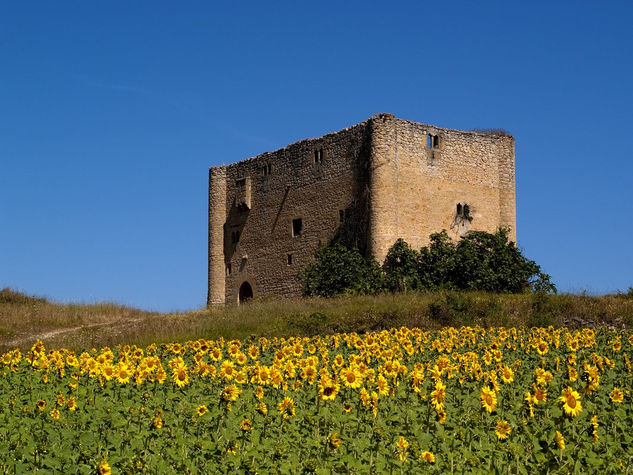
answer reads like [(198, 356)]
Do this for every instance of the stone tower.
[(368, 184)]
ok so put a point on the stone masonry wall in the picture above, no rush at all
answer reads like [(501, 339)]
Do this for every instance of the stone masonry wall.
[(313, 180), (368, 185), (416, 188)]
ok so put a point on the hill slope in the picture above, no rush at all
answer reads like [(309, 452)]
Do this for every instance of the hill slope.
[(23, 318)]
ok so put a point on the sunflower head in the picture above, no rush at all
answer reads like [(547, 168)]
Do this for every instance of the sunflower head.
[(616, 395), (503, 430), (488, 399), (335, 440), (571, 402)]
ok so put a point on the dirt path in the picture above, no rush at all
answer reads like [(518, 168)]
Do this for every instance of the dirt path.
[(60, 331)]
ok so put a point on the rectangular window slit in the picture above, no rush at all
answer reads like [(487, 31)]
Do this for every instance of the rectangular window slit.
[(297, 227), (289, 259)]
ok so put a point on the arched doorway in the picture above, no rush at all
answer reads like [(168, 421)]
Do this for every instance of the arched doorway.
[(246, 293)]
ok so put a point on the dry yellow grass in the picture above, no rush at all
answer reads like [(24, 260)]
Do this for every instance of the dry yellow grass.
[(23, 319)]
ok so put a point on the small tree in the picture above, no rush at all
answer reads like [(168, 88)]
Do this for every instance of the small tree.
[(401, 268), (341, 270), (437, 262), (490, 262)]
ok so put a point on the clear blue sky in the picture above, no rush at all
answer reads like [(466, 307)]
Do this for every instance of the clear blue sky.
[(112, 112)]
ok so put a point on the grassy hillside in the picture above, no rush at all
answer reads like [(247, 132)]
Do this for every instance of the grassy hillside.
[(23, 319)]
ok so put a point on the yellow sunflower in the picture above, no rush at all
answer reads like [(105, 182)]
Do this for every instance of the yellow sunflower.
[(594, 428), (328, 389), (488, 399), (287, 407), (201, 410), (560, 441), (351, 377), (123, 373), (540, 395), (231, 393), (180, 376), (246, 425), (438, 396), (428, 457), (402, 445), (571, 402), (335, 440), (507, 375), (503, 430), (104, 468), (616, 395)]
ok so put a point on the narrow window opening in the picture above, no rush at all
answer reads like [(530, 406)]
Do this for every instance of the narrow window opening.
[(318, 156), (459, 209), (429, 141), (297, 227), (436, 141), (267, 169), (228, 269), (289, 259)]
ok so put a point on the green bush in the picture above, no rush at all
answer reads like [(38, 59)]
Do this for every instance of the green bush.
[(489, 262), (341, 270), (401, 268), (437, 263), (479, 261)]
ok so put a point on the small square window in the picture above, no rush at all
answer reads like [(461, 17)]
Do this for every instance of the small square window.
[(289, 259), (297, 227)]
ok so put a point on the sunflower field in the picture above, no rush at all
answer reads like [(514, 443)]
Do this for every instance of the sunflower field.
[(405, 400)]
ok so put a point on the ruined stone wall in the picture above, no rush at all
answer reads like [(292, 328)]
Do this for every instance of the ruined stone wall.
[(420, 173), (368, 185), (318, 181), (217, 215)]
